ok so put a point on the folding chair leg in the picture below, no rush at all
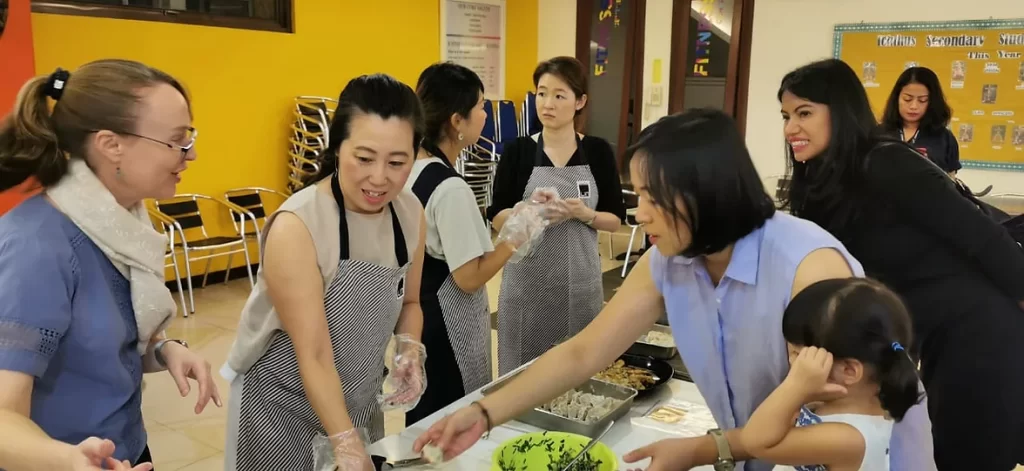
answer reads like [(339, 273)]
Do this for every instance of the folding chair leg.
[(629, 250), (188, 279), (227, 271), (177, 279), (248, 263), (209, 262)]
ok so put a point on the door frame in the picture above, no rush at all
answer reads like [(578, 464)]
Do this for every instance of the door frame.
[(737, 83)]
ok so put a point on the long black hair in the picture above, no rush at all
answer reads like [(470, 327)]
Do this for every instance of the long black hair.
[(826, 188), (445, 89), (699, 158), (858, 318), (377, 94), (936, 116)]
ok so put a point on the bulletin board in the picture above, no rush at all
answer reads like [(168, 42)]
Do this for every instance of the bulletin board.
[(980, 64)]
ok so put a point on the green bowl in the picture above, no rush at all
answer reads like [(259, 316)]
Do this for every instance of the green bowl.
[(540, 451)]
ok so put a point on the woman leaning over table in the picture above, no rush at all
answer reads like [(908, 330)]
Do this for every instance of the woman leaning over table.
[(340, 275), (959, 272), (82, 296), (726, 267), (556, 291)]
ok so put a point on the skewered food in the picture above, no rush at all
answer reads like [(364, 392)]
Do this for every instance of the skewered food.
[(629, 376), (581, 407)]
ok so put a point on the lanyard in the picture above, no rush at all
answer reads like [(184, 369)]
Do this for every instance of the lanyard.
[(913, 139)]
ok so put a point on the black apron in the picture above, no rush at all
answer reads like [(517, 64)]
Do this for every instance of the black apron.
[(456, 324), (276, 423), (556, 291)]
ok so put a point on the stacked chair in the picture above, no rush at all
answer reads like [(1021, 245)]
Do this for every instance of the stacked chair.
[(253, 201), (529, 122), (309, 136)]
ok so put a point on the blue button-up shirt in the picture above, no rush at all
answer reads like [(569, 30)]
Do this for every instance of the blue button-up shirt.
[(730, 335), (66, 318)]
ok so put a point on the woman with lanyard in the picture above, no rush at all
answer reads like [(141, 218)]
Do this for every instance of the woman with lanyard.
[(460, 257), (340, 275), (83, 303), (726, 266), (960, 273), (563, 274), (917, 112)]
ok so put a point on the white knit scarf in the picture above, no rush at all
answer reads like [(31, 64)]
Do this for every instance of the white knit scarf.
[(128, 239)]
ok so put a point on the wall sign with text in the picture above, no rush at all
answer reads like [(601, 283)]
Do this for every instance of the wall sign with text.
[(473, 35), (980, 64)]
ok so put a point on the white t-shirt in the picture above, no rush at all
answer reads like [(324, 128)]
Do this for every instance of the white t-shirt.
[(455, 225), (877, 432)]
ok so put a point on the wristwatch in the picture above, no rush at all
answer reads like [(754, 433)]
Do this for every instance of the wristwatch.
[(725, 461), (160, 346)]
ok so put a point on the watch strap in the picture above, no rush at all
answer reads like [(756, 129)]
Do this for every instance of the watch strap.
[(157, 350), (722, 443)]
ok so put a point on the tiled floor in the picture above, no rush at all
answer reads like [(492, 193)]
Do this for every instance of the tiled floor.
[(181, 440)]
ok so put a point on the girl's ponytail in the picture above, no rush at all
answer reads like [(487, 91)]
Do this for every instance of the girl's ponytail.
[(28, 138), (898, 381)]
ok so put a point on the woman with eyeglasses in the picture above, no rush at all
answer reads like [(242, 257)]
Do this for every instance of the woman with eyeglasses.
[(83, 303)]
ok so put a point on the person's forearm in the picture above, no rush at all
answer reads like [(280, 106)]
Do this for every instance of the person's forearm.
[(707, 452), (607, 222), (773, 419), (149, 363), (483, 268), (26, 447), (410, 321), (499, 219), (322, 385), (560, 369)]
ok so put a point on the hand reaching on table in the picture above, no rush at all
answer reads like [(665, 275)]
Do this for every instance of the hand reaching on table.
[(455, 433)]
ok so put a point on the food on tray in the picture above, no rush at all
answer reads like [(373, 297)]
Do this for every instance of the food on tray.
[(667, 414), (581, 407), (658, 338), (628, 376)]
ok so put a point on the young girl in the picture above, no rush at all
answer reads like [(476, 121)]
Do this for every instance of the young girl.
[(845, 339)]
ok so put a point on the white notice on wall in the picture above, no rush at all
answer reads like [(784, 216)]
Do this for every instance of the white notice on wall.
[(473, 36)]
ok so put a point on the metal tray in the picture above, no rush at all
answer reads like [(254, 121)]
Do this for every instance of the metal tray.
[(654, 351), (553, 422)]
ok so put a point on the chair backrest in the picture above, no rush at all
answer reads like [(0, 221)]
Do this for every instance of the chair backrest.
[(184, 210), (508, 127), (490, 130), (530, 121)]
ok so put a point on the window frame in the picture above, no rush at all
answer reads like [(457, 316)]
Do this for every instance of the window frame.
[(285, 23)]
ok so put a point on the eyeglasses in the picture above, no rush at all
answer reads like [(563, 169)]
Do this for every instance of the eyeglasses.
[(190, 136)]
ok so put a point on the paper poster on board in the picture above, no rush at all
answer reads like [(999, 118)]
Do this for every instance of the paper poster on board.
[(473, 35)]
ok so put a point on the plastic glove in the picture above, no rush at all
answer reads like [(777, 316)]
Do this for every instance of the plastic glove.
[(544, 194), (342, 452), (554, 208), (408, 379), (523, 229)]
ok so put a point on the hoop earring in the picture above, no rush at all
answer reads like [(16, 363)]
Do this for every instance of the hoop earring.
[(461, 137)]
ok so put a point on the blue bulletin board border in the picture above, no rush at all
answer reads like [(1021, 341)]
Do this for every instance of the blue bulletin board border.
[(837, 48)]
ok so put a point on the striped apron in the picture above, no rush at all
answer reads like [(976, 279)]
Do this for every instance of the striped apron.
[(276, 422)]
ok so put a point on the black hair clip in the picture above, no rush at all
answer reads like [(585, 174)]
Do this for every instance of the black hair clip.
[(56, 83)]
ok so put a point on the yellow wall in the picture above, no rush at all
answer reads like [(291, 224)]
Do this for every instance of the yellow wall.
[(242, 82)]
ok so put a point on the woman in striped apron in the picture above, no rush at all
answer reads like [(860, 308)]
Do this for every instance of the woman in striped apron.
[(460, 257), (340, 275), (556, 291)]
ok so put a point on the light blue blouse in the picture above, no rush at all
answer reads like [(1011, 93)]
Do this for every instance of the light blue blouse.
[(66, 318), (730, 335)]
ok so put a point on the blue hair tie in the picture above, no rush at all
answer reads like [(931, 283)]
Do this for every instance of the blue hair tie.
[(897, 347)]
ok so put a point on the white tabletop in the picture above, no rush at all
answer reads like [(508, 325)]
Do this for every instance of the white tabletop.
[(622, 438)]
